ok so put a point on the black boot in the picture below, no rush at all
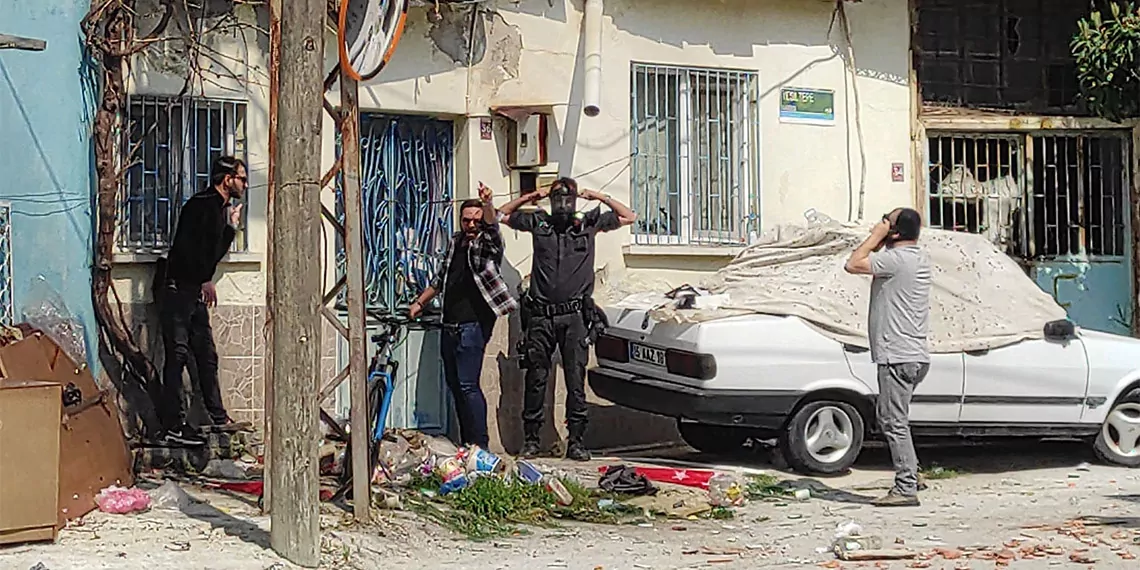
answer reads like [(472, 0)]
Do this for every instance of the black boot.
[(576, 450), (531, 442), (530, 450)]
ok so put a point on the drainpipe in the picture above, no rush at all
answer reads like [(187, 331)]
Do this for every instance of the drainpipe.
[(591, 100)]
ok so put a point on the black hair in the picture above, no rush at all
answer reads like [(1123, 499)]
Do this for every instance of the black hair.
[(567, 182), (471, 203), (224, 166), (908, 224)]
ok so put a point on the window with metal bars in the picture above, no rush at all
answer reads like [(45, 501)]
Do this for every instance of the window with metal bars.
[(695, 144), (1036, 196), (170, 143)]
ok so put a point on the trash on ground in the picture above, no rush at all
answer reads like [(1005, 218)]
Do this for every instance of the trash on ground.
[(231, 469), (726, 491), (866, 548), (687, 477), (170, 496), (625, 480), (119, 500), (673, 503)]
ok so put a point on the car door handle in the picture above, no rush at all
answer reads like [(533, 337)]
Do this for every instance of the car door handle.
[(981, 352), (855, 349)]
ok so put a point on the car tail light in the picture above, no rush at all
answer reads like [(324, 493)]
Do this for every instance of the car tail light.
[(690, 364), (611, 348)]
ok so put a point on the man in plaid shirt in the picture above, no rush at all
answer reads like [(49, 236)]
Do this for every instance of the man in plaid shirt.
[(474, 296)]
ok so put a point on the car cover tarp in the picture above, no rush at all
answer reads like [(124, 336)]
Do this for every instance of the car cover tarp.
[(980, 297)]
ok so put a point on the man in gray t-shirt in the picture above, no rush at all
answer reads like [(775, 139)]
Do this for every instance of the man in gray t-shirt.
[(897, 325)]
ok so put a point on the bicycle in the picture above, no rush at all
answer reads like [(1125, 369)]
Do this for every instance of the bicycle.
[(381, 374)]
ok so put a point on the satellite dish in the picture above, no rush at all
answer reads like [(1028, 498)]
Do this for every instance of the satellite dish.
[(367, 34)]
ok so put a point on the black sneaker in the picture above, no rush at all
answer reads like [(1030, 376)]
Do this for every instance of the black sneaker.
[(183, 437), (530, 450), (577, 452)]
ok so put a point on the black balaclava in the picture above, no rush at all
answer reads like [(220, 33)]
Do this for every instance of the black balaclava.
[(563, 202)]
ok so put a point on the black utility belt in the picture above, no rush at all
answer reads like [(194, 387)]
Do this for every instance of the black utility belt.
[(556, 309)]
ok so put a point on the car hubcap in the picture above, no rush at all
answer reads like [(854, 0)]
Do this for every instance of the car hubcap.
[(1122, 430), (828, 434)]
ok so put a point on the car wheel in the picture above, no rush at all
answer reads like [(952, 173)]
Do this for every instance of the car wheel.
[(1119, 439), (823, 437), (720, 440)]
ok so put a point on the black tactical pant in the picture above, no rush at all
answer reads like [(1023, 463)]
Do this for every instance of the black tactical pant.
[(570, 335), (189, 343)]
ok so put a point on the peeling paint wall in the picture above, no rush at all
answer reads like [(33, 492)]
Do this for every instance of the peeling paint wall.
[(529, 52), (46, 105)]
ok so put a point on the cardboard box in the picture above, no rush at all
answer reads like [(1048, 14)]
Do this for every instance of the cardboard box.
[(30, 413), (92, 449)]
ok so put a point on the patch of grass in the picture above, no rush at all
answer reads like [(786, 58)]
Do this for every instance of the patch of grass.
[(493, 507), (765, 486), (721, 514), (936, 472)]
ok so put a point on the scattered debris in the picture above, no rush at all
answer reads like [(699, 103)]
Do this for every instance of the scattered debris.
[(726, 491), (625, 480), (119, 500)]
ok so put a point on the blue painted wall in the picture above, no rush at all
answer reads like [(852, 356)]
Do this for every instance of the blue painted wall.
[(45, 154)]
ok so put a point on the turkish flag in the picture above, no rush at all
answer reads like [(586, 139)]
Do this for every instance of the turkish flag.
[(698, 478)]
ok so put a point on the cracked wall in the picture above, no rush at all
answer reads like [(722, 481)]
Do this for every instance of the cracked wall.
[(481, 40)]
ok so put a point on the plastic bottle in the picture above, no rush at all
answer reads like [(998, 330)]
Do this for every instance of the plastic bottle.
[(554, 485), (725, 491)]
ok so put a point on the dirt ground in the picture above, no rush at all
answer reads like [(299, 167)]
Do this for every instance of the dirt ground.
[(1008, 499)]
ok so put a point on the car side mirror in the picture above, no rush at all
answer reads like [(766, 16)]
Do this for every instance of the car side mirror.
[(1063, 329)]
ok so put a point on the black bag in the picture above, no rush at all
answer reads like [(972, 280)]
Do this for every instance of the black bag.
[(625, 480)]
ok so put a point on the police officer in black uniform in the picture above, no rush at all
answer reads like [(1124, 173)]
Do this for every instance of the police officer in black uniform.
[(559, 309)]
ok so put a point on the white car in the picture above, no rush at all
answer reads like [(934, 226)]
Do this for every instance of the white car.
[(771, 377)]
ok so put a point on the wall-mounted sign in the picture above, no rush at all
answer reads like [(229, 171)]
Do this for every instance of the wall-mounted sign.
[(486, 129), (807, 106), (897, 172)]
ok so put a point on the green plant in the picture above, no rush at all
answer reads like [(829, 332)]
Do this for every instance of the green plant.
[(492, 507), (765, 487), (1107, 53), (936, 472)]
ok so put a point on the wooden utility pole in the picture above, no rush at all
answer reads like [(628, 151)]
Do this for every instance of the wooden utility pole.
[(354, 270), (274, 63), (297, 296)]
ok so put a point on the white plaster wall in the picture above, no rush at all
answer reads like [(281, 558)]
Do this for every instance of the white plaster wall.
[(786, 41)]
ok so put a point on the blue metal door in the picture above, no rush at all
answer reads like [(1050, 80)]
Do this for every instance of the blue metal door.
[(407, 185)]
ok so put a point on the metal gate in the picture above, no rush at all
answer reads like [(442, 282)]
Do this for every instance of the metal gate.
[(1057, 201), (407, 191)]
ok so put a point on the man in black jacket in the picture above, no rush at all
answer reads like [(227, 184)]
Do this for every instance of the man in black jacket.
[(206, 228)]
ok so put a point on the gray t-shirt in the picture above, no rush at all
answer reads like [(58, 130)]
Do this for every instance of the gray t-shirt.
[(899, 316)]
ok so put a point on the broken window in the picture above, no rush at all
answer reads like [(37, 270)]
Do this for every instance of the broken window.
[(1001, 54), (695, 135), (171, 143), (1067, 197)]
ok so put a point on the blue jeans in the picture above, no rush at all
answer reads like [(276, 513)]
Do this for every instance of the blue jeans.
[(462, 348)]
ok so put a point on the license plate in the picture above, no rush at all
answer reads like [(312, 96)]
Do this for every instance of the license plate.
[(647, 354)]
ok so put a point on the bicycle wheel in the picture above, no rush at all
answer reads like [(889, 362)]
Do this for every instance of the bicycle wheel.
[(367, 34)]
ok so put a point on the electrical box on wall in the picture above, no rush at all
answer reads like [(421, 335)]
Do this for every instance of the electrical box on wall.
[(527, 145), (526, 181)]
